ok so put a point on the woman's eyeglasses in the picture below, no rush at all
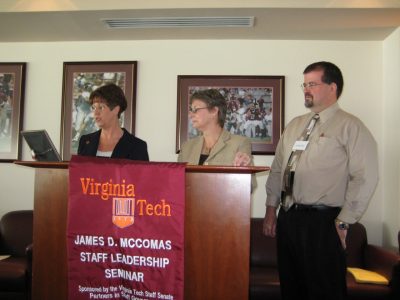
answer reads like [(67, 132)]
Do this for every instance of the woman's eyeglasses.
[(98, 107), (194, 110)]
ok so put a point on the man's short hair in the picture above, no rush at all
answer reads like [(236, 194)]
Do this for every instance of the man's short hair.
[(332, 74)]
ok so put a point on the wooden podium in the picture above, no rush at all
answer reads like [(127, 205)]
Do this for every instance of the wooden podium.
[(217, 231)]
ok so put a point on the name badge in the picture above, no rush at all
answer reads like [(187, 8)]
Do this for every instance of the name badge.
[(300, 145)]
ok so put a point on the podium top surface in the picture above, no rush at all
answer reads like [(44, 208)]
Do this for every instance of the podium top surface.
[(189, 168)]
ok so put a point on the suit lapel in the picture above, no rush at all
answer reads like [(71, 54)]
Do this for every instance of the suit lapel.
[(219, 145), (195, 156), (121, 149), (93, 143)]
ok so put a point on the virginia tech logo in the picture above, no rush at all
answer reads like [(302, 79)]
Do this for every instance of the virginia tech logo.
[(123, 201), (123, 212)]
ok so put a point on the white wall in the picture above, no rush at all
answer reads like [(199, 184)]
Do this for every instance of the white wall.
[(391, 138), (159, 64)]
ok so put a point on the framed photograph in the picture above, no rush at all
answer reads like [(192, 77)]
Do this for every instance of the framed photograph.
[(12, 88), (255, 108), (79, 80)]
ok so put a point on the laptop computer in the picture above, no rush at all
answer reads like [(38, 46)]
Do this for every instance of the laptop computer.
[(42, 148)]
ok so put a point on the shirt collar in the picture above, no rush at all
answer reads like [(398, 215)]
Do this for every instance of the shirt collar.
[(328, 112)]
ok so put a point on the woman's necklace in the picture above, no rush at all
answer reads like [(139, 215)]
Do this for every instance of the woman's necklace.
[(207, 148)]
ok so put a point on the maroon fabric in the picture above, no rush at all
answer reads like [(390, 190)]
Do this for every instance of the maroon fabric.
[(125, 229)]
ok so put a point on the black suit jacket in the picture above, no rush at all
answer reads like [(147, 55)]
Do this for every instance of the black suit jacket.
[(128, 147)]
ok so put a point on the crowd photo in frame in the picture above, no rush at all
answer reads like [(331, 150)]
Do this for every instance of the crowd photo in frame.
[(255, 107), (79, 80), (12, 87)]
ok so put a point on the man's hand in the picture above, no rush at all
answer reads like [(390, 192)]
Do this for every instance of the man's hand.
[(342, 233), (269, 225)]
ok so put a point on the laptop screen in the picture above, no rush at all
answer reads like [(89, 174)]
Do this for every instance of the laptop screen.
[(41, 146)]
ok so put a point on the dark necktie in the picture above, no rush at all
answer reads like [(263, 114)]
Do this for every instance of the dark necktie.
[(288, 176)]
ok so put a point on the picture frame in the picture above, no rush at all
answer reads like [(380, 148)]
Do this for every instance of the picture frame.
[(255, 107), (79, 80), (12, 93)]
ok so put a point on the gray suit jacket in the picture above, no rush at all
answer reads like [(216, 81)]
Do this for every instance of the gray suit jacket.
[(222, 154)]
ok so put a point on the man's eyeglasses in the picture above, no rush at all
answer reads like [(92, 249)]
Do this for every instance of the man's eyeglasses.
[(310, 85), (98, 107), (194, 110)]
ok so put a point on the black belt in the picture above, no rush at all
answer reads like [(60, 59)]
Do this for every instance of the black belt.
[(314, 207)]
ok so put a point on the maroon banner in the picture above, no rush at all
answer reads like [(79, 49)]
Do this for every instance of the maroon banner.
[(125, 230)]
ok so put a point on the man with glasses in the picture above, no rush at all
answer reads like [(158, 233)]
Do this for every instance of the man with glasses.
[(322, 178)]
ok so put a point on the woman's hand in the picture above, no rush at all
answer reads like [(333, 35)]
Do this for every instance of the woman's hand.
[(242, 160)]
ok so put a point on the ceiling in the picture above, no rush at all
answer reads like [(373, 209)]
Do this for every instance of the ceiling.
[(82, 20)]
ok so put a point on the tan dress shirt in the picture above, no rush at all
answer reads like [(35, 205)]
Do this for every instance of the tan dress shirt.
[(338, 168)]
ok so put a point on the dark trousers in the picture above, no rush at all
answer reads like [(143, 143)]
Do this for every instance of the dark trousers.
[(311, 259)]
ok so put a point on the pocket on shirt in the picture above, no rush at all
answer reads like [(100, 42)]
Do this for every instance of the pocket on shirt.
[(329, 148), (328, 143)]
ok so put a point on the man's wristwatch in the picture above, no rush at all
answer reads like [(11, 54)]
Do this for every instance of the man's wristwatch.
[(342, 225)]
